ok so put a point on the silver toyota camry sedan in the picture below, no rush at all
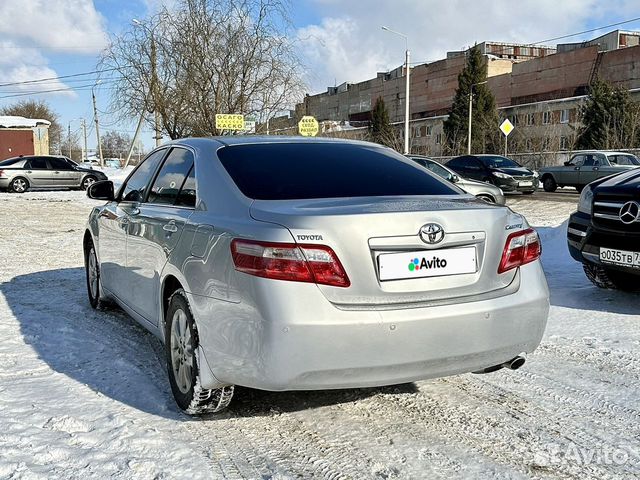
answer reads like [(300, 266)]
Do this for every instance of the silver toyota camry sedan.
[(293, 263)]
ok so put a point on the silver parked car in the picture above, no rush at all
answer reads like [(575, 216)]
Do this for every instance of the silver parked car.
[(19, 174), (292, 263), (482, 190)]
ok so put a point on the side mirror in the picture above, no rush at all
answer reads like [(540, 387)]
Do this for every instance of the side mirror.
[(567, 163), (102, 190), (455, 178)]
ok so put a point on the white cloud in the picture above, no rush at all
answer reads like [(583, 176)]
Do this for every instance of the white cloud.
[(20, 64), (349, 44), (29, 29), (56, 25)]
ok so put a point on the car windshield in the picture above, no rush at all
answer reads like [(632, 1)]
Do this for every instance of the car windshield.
[(498, 162), (326, 170)]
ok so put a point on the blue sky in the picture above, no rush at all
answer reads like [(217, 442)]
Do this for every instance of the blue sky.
[(338, 40)]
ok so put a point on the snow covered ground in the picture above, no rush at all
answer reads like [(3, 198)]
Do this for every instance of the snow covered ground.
[(84, 394)]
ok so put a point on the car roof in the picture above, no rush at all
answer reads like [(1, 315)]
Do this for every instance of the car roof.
[(604, 152), (230, 140)]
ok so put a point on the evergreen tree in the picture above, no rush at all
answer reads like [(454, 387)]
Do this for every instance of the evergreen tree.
[(380, 129), (609, 119), (485, 136)]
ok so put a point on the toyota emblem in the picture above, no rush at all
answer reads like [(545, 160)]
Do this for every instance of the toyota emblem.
[(629, 212), (431, 233)]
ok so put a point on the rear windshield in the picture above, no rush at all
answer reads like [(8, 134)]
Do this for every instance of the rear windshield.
[(10, 161), (316, 170), (498, 162)]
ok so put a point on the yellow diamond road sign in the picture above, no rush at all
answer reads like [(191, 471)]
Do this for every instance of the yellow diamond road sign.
[(308, 126), (506, 127), (229, 121)]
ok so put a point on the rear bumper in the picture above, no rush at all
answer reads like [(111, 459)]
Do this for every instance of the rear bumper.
[(4, 183), (297, 340)]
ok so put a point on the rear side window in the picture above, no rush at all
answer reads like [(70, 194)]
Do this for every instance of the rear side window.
[(10, 161), (172, 177), (37, 163), (136, 186), (329, 170)]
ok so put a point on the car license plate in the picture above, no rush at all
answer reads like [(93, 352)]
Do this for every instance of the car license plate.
[(427, 263), (525, 184), (620, 257)]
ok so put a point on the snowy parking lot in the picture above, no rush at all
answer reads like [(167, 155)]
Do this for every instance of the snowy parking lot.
[(84, 394)]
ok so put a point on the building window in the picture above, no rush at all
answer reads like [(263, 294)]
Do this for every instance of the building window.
[(439, 139), (429, 130), (564, 116), (514, 119), (531, 119), (416, 132), (546, 144), (546, 118), (564, 143), (529, 145)]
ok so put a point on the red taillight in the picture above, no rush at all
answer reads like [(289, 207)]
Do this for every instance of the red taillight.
[(1, 173), (289, 261), (521, 248)]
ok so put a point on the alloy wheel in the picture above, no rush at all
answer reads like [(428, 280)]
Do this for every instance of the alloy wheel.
[(181, 351)]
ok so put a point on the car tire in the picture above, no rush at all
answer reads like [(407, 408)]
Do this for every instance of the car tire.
[(92, 274), (549, 184), (181, 342), (88, 181), (612, 279), (19, 185)]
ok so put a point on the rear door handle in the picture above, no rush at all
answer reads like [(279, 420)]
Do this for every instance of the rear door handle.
[(170, 227)]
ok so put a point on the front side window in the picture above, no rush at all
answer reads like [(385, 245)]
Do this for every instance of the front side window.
[(136, 185), (439, 170), (59, 164), (577, 161), (172, 177), (280, 171)]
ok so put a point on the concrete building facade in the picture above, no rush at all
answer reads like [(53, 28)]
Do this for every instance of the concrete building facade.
[(541, 91)]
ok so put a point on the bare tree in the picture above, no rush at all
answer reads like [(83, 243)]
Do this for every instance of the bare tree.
[(204, 57)]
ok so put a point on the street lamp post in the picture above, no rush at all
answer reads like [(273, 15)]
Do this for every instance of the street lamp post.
[(406, 100), (470, 114), (95, 116)]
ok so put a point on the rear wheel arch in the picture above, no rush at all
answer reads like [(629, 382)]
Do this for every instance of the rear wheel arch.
[(170, 285)]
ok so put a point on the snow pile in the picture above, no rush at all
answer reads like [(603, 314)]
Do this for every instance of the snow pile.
[(10, 121)]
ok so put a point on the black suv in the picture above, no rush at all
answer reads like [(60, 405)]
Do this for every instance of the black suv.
[(604, 234), (501, 171)]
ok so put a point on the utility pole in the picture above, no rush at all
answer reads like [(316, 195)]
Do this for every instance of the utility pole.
[(406, 104), (406, 100), (69, 138), (95, 116), (135, 139), (85, 154)]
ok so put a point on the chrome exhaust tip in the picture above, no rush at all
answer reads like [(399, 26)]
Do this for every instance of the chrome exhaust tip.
[(515, 363)]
